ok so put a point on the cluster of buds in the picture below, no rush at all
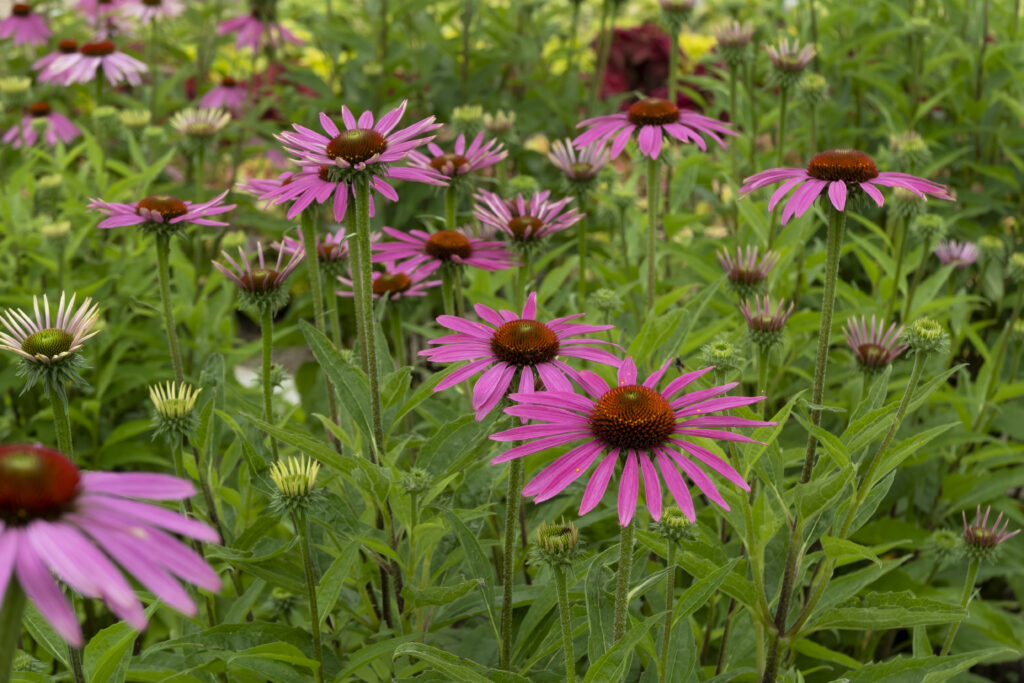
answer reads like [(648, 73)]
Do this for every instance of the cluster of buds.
[(763, 324), (924, 335), (174, 411), (558, 545), (295, 482)]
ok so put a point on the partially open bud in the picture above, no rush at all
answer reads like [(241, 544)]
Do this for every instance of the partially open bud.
[(674, 527), (982, 541), (722, 354), (924, 335), (174, 410), (558, 545), (764, 324), (295, 479)]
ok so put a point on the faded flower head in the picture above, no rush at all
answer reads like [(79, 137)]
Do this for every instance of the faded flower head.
[(925, 335), (789, 60), (733, 40), (981, 539)]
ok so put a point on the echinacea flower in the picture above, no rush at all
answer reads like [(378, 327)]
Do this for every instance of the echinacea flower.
[(145, 11), (102, 55), (763, 324), (92, 531), (96, 9), (462, 159), (789, 58), (64, 47), (840, 172), (747, 273), (25, 26), (979, 536), (228, 95), (957, 254), (261, 283), (578, 166), (522, 220), (874, 347), (634, 423), (174, 415), (49, 339), (443, 247), (651, 118), (255, 30), (58, 128), (732, 40), (332, 250), (506, 345), (395, 281), (199, 122), (315, 183), (161, 212)]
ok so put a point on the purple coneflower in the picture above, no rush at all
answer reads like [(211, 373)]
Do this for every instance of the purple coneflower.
[(330, 247), (764, 324), (396, 281), (64, 47), (58, 522), (161, 212), (506, 344), (578, 166), (59, 127), (316, 183), (463, 159), (634, 422), (199, 122), (652, 118), (98, 8), (790, 58), (259, 278), (874, 346), (82, 67), (25, 26), (228, 95), (840, 171), (958, 254), (434, 250), (747, 273), (262, 186), (46, 338), (145, 11), (523, 220), (982, 536), (253, 32)]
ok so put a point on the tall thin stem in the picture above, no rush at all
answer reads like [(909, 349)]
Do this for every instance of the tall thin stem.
[(622, 581), (836, 227), (763, 353), (965, 597), (673, 60), (581, 232), (163, 251), (515, 491), (302, 528), (397, 335), (448, 288), (61, 420), (901, 251), (369, 342), (733, 150), (653, 187), (451, 205), (563, 617), (267, 332), (916, 281), (11, 611), (783, 101), (670, 596), (309, 244)]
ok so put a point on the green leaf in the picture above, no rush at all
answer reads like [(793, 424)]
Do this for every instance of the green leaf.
[(818, 651), (599, 604), (877, 611), (108, 652), (932, 669), (612, 665), (895, 456), (331, 582), (349, 382), (820, 493), (436, 595), (700, 591), (833, 444), (44, 634), (480, 568), (844, 551), (365, 655), (457, 668), (305, 443)]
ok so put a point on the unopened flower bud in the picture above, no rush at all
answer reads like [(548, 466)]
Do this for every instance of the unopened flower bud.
[(929, 228), (106, 120), (416, 481), (674, 527), (500, 121), (1015, 267), (295, 479), (813, 89), (557, 544), (606, 300), (991, 248), (722, 354), (134, 118), (174, 410), (924, 335), (49, 190)]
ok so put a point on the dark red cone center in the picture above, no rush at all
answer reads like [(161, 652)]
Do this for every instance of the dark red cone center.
[(169, 207), (357, 146), (100, 49), (391, 283), (524, 228), (653, 111), (632, 416), (524, 342), (445, 244), (848, 165), (35, 482)]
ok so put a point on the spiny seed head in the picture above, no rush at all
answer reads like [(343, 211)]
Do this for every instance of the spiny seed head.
[(386, 284), (674, 526), (848, 165), (524, 228), (925, 335), (524, 342), (417, 481), (632, 417), (557, 544), (930, 228), (606, 300), (722, 354), (167, 206), (100, 48), (1015, 267)]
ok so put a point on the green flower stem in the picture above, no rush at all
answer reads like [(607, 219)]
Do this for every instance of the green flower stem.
[(333, 313), (627, 265), (355, 256), (965, 597), (302, 527), (571, 70), (451, 207), (369, 341), (733, 150), (901, 251), (448, 288), (267, 333), (783, 101), (622, 581), (514, 493), (778, 627), (163, 252), (460, 301), (397, 335), (61, 420), (836, 227), (673, 61), (563, 616), (581, 232), (918, 275), (11, 611), (653, 188), (748, 81), (309, 241), (814, 130), (154, 69), (670, 595), (763, 353), (522, 280), (75, 656)]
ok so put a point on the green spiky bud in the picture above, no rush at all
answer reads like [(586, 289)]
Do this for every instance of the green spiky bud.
[(606, 301), (722, 354), (991, 247), (416, 481), (929, 228), (295, 480), (558, 545), (674, 526), (925, 335), (813, 88), (1015, 267), (174, 413)]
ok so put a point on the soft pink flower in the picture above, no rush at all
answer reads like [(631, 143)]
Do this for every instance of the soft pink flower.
[(91, 57), (25, 26), (160, 209), (59, 127), (463, 159), (958, 254), (524, 220), (229, 95), (395, 281), (64, 47), (145, 11), (443, 247), (254, 32)]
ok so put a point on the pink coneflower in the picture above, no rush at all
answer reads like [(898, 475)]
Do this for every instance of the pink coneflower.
[(82, 67), (763, 324), (259, 277), (46, 338), (525, 221), (64, 47), (329, 247), (463, 159), (59, 127), (27, 27), (434, 250), (228, 95), (145, 11), (747, 273), (363, 151), (396, 281), (651, 118), (254, 32), (874, 346), (94, 8), (840, 171), (161, 212), (262, 186), (506, 344), (578, 166), (789, 57), (633, 422), (58, 522), (981, 536), (958, 254)]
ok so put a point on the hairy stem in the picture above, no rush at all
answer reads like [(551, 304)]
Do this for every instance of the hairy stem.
[(965, 597), (670, 595), (11, 611), (515, 491), (622, 581), (302, 527), (369, 342), (652, 229), (563, 616), (267, 333), (163, 253)]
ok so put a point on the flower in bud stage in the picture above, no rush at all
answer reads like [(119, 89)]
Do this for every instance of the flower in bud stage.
[(260, 285), (558, 545), (295, 480), (1015, 267), (674, 527), (13, 89), (135, 118), (522, 184), (789, 61), (606, 300), (106, 119), (874, 347), (929, 228), (982, 540), (55, 231), (284, 601), (49, 190), (722, 354), (906, 204), (991, 248), (174, 410), (154, 135), (416, 481), (765, 326), (200, 123), (813, 89), (909, 149), (468, 117), (500, 121), (747, 273), (733, 41), (924, 335), (1017, 331)]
